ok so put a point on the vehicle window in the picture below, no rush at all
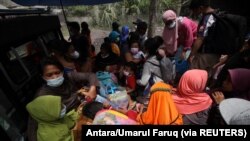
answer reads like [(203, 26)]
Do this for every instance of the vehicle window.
[(14, 69)]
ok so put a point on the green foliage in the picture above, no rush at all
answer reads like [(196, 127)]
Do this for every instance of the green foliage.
[(104, 15), (168, 4), (78, 10), (108, 14)]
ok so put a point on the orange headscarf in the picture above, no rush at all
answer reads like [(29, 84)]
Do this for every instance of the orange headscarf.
[(161, 109), (191, 97)]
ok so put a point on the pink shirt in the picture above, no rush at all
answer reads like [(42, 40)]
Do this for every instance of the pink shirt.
[(187, 32)]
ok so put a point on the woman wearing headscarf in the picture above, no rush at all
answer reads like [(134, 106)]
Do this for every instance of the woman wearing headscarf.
[(191, 100), (238, 83), (114, 38), (64, 85), (161, 109), (124, 34), (124, 40), (178, 31)]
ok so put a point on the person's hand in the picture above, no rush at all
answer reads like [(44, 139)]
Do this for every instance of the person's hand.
[(218, 97), (91, 93), (190, 59), (106, 105), (138, 82), (129, 90), (173, 91), (88, 123), (139, 108), (223, 58), (222, 61), (82, 91)]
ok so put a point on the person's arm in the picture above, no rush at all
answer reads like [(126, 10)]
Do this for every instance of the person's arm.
[(197, 44), (92, 80), (129, 90), (202, 32), (188, 41), (128, 57), (146, 74), (78, 77), (136, 60)]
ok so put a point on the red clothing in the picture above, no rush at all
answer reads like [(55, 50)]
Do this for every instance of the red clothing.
[(132, 114), (131, 82)]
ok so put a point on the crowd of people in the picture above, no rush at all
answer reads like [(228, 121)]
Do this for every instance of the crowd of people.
[(173, 79)]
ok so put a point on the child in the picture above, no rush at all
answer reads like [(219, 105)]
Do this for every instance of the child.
[(54, 122), (138, 55), (129, 73)]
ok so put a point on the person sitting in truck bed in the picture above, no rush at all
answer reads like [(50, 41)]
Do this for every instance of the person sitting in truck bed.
[(65, 86)]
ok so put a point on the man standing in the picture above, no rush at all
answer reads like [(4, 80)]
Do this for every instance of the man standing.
[(199, 57)]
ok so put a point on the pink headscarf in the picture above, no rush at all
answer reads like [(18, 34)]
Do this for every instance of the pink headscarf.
[(190, 97), (170, 36)]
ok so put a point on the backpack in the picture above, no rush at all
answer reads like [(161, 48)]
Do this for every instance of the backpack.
[(107, 84), (168, 72), (181, 67), (167, 68), (226, 35)]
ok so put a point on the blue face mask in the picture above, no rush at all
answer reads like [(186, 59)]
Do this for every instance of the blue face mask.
[(63, 111), (55, 82)]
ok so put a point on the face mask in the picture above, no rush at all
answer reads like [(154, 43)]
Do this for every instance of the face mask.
[(125, 73), (134, 50), (75, 55), (63, 111), (172, 25), (55, 82)]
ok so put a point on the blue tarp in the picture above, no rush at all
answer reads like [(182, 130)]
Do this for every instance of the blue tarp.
[(64, 2)]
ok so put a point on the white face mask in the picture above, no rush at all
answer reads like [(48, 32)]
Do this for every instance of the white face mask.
[(125, 73), (55, 82), (134, 50), (172, 25), (75, 55), (63, 111)]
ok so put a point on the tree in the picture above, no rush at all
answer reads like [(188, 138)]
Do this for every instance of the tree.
[(178, 7), (152, 17)]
